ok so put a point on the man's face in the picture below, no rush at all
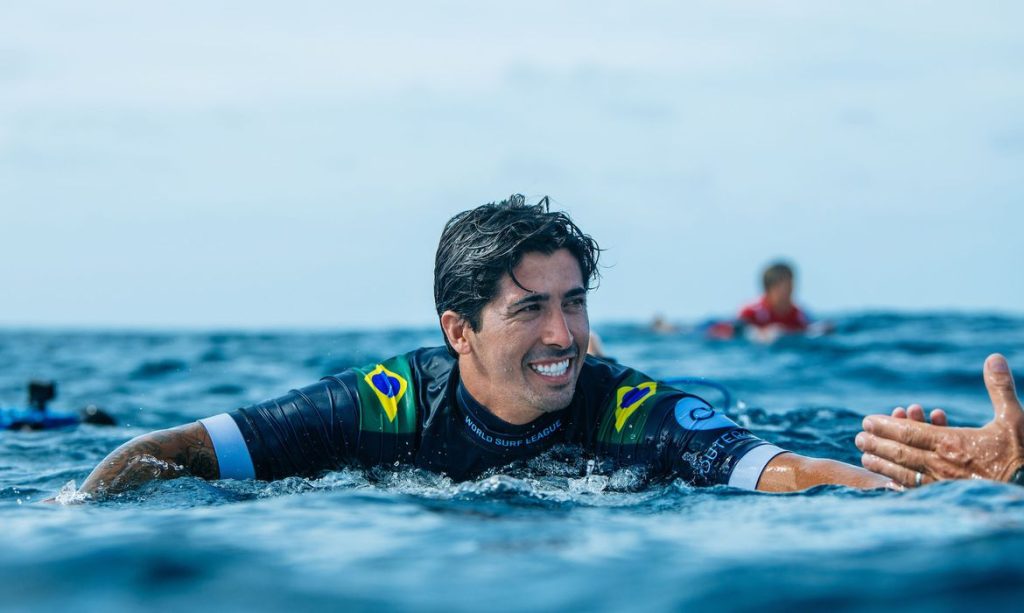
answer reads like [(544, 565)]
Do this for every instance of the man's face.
[(529, 348), (781, 294)]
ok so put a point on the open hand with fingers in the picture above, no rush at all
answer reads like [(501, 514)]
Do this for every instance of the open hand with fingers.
[(912, 452)]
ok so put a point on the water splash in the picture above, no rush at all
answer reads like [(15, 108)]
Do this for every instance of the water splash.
[(69, 495)]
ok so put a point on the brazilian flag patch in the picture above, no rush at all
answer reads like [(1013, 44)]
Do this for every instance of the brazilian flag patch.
[(629, 398), (625, 412), (386, 402)]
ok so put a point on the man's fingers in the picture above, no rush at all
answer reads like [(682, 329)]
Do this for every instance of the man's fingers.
[(999, 382), (897, 453), (916, 412), (908, 432), (897, 473)]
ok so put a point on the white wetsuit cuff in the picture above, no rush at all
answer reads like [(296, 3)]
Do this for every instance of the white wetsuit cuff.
[(748, 469), (232, 452)]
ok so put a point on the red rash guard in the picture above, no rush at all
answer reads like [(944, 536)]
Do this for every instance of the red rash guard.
[(760, 314)]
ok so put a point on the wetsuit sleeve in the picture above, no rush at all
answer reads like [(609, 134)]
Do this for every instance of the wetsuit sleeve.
[(678, 435), (302, 433), (705, 447), (233, 457)]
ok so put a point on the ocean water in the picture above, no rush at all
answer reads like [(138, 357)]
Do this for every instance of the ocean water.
[(553, 535)]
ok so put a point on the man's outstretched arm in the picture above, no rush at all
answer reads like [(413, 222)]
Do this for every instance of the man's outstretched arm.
[(163, 454), (790, 472), (905, 446)]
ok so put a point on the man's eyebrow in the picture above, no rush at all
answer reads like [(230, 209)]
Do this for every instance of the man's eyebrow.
[(530, 299), (535, 298)]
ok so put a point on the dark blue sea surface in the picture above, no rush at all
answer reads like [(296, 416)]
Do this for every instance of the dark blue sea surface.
[(557, 534)]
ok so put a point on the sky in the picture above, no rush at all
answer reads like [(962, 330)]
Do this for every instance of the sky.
[(262, 165)]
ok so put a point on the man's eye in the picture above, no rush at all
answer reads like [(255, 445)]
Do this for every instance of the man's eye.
[(529, 308)]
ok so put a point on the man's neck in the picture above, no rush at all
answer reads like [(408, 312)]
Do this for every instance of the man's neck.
[(780, 306), (517, 416), (470, 404)]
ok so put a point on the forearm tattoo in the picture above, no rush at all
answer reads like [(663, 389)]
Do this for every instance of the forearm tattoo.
[(192, 453), (165, 454)]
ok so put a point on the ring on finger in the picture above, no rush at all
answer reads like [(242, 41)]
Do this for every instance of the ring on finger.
[(917, 479)]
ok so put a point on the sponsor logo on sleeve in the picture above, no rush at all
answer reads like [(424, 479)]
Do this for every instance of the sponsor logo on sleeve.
[(629, 398), (389, 388), (695, 414)]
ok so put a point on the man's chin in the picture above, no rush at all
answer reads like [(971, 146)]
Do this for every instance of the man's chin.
[(551, 402), (549, 396)]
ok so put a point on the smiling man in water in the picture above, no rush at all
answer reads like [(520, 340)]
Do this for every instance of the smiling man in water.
[(510, 286)]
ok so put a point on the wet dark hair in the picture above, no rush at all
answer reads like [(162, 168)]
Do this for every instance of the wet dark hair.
[(479, 246), (776, 273)]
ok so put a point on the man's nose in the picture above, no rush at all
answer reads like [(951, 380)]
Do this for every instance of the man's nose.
[(556, 330)]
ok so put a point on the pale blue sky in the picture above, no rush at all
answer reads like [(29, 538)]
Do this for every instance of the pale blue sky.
[(253, 164)]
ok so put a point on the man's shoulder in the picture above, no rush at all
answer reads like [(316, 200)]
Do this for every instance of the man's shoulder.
[(755, 310), (427, 361), (389, 391), (603, 371), (432, 361), (613, 386), (800, 315), (623, 398), (599, 371)]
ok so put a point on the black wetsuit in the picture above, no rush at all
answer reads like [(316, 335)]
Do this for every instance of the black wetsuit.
[(414, 410)]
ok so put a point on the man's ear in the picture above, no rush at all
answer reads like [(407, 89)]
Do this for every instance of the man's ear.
[(456, 329)]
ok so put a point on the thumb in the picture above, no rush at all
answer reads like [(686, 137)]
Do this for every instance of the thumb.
[(999, 382)]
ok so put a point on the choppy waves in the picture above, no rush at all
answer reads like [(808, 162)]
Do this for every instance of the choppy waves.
[(555, 532)]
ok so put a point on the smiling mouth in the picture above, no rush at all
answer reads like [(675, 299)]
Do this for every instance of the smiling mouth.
[(552, 369)]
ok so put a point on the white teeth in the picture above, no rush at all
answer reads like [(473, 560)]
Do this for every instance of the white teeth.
[(552, 370)]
